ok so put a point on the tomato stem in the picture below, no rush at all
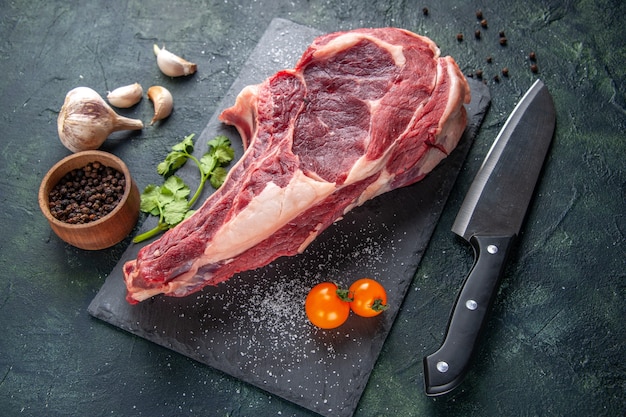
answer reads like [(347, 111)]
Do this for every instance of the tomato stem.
[(378, 305), (344, 295)]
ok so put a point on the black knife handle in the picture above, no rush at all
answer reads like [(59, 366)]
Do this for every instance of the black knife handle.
[(445, 369)]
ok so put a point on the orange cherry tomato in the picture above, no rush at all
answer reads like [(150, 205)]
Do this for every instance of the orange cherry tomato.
[(369, 297), (324, 308)]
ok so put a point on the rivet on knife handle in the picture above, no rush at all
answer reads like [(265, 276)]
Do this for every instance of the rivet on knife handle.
[(445, 369)]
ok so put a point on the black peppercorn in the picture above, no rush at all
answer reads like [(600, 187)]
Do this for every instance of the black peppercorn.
[(479, 14), (477, 34), (534, 68), (489, 59), (425, 11), (532, 56), (459, 37), (505, 71), (483, 23), (86, 194), (503, 41)]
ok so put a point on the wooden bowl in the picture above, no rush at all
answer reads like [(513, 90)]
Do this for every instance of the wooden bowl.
[(106, 231)]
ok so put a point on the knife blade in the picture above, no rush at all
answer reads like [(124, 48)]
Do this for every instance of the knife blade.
[(490, 218)]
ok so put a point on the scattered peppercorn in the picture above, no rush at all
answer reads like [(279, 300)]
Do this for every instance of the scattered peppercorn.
[(86, 194), (479, 14), (502, 35), (483, 23), (477, 34), (534, 68), (425, 11), (532, 56), (503, 41), (489, 60), (459, 37), (505, 71), (496, 78), (479, 74)]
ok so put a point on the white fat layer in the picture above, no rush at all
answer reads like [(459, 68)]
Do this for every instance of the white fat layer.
[(380, 186), (348, 40), (177, 286), (139, 294), (266, 213), (364, 168), (310, 238)]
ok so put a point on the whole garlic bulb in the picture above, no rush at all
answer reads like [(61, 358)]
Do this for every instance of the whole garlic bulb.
[(86, 120), (126, 96), (171, 64)]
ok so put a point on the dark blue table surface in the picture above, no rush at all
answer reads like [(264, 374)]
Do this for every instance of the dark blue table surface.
[(555, 341)]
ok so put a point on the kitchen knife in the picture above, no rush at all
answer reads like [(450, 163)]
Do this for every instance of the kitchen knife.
[(490, 218)]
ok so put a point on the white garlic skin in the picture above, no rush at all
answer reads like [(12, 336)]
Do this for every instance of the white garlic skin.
[(163, 102), (86, 120), (173, 65), (126, 96)]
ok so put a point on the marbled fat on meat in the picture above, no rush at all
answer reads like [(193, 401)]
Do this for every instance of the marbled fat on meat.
[(362, 113)]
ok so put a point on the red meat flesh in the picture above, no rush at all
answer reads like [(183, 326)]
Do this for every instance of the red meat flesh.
[(362, 113)]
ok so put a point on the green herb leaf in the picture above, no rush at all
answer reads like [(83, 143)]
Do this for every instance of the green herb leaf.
[(219, 141), (170, 201), (207, 163), (176, 187), (177, 157), (185, 146), (150, 200), (174, 212), (221, 150), (217, 177)]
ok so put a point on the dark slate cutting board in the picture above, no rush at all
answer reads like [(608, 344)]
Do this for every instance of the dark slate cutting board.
[(253, 327)]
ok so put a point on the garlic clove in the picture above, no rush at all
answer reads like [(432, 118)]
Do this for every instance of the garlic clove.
[(173, 65), (86, 120), (126, 96), (163, 102)]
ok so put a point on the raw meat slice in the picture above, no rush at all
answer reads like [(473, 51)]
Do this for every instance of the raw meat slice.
[(362, 113)]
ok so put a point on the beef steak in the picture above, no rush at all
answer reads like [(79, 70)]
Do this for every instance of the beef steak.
[(362, 113)]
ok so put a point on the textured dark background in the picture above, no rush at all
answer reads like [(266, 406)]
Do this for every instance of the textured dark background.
[(555, 343)]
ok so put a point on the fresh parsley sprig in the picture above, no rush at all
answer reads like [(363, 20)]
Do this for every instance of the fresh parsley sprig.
[(169, 201)]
